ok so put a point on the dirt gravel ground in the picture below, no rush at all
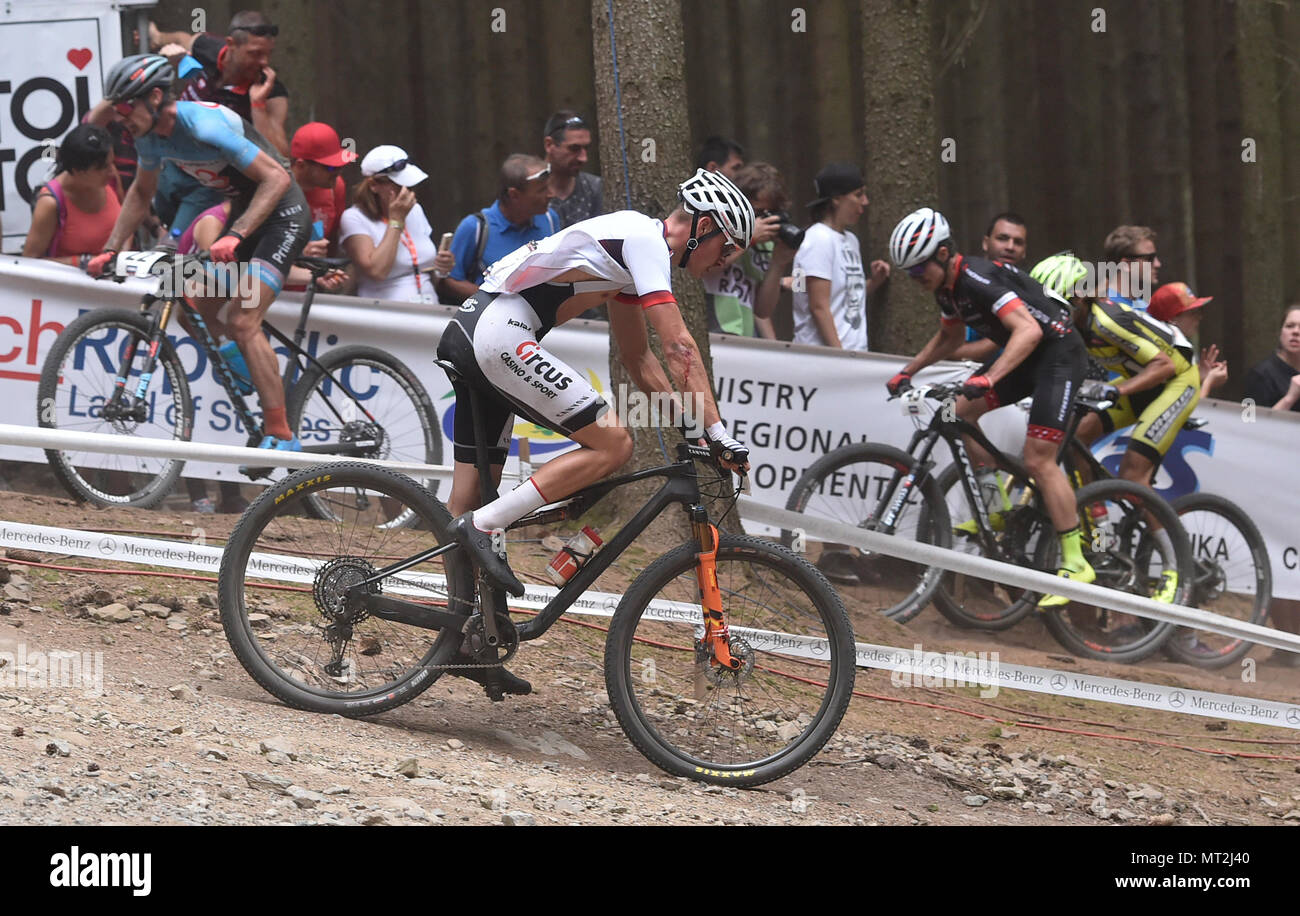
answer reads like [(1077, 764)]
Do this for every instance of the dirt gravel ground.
[(181, 735)]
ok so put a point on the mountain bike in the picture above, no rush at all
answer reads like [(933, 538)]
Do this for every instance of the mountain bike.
[(728, 659), (1127, 531), (895, 491), (118, 371)]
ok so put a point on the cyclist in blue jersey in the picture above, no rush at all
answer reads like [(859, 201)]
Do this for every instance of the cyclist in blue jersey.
[(269, 222)]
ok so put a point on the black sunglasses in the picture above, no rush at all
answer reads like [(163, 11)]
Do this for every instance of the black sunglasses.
[(394, 168), (261, 31), (573, 123)]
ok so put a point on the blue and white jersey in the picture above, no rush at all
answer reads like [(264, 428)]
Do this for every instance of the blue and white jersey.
[(210, 143)]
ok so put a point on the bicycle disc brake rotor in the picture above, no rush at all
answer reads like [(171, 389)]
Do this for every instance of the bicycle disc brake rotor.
[(332, 582), (729, 677)]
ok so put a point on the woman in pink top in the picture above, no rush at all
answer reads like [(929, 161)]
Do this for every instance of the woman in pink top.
[(75, 212)]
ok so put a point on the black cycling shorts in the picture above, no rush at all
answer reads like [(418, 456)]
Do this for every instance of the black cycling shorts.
[(273, 247), (1051, 374), (494, 343)]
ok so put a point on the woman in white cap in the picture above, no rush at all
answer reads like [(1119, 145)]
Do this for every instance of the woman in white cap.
[(386, 233)]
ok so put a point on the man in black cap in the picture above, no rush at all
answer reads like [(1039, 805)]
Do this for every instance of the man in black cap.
[(830, 287)]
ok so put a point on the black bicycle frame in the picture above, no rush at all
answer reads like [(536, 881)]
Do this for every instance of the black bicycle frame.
[(921, 447), (680, 487)]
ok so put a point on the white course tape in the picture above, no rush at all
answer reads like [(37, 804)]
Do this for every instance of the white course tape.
[(928, 668), (1010, 574), (139, 446)]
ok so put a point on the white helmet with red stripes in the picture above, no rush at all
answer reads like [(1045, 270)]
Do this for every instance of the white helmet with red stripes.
[(918, 236)]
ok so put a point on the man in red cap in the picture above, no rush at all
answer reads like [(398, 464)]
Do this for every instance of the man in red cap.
[(318, 158), (1177, 305)]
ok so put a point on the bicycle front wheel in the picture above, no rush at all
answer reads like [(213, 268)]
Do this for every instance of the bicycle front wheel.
[(736, 728), (378, 410), (284, 574), (1231, 576), (76, 385), (1135, 543), (855, 485)]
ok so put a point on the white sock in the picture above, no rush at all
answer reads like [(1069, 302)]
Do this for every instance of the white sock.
[(509, 508)]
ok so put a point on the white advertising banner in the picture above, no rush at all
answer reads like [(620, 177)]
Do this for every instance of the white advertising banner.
[(53, 57), (790, 404)]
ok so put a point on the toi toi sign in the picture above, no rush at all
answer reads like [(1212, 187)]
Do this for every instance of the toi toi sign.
[(51, 73)]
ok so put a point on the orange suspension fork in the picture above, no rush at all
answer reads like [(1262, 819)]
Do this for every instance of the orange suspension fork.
[(716, 635)]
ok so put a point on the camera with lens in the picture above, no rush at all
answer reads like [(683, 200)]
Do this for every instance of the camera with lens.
[(787, 232)]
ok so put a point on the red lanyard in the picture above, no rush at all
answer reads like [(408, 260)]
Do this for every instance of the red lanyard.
[(415, 259)]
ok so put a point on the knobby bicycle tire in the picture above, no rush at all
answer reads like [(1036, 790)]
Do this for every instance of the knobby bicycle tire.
[(694, 719), (1231, 575), (404, 416), (842, 486), (288, 647), (80, 370), (983, 604), (1080, 628)]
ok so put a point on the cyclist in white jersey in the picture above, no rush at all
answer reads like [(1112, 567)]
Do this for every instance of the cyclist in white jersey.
[(622, 259)]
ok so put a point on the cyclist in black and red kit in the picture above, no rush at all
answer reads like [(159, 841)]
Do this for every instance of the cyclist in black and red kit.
[(1042, 355)]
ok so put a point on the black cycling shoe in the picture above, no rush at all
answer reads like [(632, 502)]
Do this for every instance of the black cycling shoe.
[(479, 545), (496, 682)]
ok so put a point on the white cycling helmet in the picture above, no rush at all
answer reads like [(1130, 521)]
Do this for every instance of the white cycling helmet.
[(918, 236), (713, 193)]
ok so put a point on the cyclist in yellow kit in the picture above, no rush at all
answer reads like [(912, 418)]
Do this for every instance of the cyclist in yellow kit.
[(1159, 383)]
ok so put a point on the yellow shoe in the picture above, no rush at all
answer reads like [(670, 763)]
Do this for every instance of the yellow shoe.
[(969, 528), (1085, 575), (1168, 588)]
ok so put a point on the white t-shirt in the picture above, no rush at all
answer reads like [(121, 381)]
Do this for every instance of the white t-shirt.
[(401, 283), (626, 248), (833, 256)]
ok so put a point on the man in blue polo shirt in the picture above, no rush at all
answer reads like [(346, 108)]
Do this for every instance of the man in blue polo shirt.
[(519, 215)]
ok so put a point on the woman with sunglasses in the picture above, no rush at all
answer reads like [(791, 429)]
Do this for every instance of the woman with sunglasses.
[(386, 233), (830, 306)]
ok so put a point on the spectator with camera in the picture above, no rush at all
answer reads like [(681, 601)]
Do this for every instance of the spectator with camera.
[(831, 289), (742, 293)]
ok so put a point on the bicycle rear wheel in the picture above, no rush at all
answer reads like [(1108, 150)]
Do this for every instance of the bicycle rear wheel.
[(854, 485), (1019, 523), (77, 382), (1123, 546), (739, 728), (1231, 576), (385, 413), (284, 571)]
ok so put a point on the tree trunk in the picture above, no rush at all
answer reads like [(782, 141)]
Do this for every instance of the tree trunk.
[(645, 164), (1261, 184), (902, 156), (1288, 19)]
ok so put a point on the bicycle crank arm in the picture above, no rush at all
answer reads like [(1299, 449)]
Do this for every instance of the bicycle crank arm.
[(412, 614)]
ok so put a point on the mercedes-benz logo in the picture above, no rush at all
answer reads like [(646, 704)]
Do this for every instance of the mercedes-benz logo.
[(1293, 715), (1057, 682), (107, 546), (1177, 699)]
